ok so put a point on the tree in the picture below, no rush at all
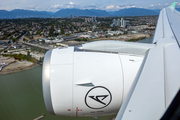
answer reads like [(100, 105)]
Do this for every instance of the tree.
[(62, 31), (41, 59), (28, 55)]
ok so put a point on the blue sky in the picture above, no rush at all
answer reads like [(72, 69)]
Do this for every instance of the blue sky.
[(108, 5)]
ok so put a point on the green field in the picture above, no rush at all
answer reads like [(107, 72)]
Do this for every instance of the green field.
[(21, 98)]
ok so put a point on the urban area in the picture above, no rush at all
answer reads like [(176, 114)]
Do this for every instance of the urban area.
[(24, 42)]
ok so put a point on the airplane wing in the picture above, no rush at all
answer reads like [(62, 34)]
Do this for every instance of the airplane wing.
[(100, 77), (158, 80)]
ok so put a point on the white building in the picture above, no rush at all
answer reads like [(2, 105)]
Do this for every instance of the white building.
[(93, 19), (86, 36), (114, 22), (115, 32), (87, 19), (118, 23), (94, 27), (122, 22)]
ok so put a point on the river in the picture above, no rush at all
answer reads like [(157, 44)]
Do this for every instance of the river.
[(146, 40), (22, 97)]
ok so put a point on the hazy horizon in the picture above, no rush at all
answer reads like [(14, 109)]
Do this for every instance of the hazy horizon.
[(55, 5)]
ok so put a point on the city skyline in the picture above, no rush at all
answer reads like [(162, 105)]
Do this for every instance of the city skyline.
[(55, 5)]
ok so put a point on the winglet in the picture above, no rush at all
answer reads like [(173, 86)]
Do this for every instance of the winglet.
[(173, 5)]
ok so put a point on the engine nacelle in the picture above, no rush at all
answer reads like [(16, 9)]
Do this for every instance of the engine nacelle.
[(81, 83)]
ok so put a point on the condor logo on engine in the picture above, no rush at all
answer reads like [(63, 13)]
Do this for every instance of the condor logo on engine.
[(98, 97)]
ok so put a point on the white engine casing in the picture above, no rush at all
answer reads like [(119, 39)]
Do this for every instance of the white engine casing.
[(80, 83)]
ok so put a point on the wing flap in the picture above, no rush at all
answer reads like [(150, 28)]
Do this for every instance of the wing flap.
[(146, 99), (172, 68), (157, 81), (174, 18)]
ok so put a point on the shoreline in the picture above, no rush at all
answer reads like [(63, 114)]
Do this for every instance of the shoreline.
[(40, 64), (20, 69)]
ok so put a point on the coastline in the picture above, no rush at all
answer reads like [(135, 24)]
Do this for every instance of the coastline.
[(20, 69), (34, 65)]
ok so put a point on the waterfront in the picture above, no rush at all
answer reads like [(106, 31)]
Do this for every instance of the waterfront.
[(22, 98), (146, 40)]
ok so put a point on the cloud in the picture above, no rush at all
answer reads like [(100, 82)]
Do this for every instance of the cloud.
[(178, 4), (152, 5), (118, 7), (102, 6), (110, 7), (71, 3), (158, 6), (92, 6), (32, 7), (63, 6), (56, 7), (126, 5)]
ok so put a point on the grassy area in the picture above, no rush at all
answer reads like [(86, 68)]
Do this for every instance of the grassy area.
[(135, 39), (21, 57), (39, 50), (22, 98)]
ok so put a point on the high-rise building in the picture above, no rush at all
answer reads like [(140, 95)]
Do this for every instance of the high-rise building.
[(118, 23), (122, 22), (87, 20), (114, 22), (127, 22), (92, 19)]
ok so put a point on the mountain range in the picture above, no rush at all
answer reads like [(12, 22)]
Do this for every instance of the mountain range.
[(78, 12), (19, 13)]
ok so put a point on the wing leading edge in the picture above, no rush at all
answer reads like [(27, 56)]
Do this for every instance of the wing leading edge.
[(157, 81)]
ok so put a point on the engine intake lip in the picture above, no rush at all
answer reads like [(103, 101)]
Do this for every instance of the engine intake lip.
[(46, 82)]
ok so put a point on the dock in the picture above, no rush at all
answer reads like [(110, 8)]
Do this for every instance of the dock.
[(40, 117), (1, 67)]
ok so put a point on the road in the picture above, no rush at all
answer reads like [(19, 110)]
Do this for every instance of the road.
[(68, 38), (35, 45)]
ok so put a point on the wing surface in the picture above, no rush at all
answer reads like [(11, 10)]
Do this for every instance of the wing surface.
[(158, 79)]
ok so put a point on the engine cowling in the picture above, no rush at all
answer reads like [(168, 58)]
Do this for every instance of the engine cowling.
[(86, 83)]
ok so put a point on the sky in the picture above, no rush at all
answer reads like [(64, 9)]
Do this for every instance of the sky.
[(108, 5)]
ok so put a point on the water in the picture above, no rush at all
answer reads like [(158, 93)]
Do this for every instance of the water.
[(21, 98), (146, 40)]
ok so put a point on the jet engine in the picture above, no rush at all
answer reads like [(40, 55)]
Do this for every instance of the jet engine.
[(78, 82)]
